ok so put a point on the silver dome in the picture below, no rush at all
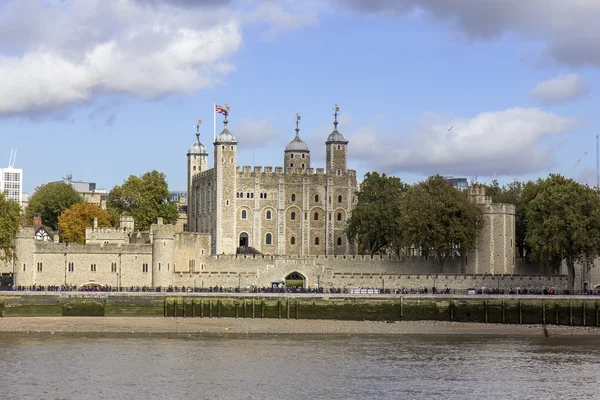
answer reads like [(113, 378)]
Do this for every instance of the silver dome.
[(225, 137), (336, 136), (297, 145), (197, 148)]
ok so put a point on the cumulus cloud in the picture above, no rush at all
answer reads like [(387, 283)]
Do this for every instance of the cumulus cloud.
[(569, 28), (503, 142), (56, 53), (560, 89), (255, 133)]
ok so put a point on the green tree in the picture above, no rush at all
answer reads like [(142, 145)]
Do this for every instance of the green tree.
[(439, 218), (563, 223), (9, 225), (50, 201), (374, 224), (73, 222), (145, 198)]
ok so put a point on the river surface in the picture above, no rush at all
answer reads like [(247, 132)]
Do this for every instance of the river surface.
[(80, 366)]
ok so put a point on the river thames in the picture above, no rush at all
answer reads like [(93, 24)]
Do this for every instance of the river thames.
[(86, 366)]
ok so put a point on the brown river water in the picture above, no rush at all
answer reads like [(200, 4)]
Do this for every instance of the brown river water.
[(87, 366)]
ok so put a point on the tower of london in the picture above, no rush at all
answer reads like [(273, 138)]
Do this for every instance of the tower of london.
[(294, 210)]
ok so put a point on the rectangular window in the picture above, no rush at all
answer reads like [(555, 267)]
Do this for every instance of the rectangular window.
[(24, 266), (113, 267), (93, 267), (144, 267), (71, 266), (40, 267)]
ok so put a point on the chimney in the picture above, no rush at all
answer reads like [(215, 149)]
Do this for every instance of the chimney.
[(95, 223), (37, 220)]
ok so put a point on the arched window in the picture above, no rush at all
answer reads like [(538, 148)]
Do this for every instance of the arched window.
[(339, 199), (243, 214), (316, 198), (293, 240), (292, 155), (339, 216), (316, 216), (302, 165), (268, 239), (339, 147), (293, 216), (303, 155), (268, 214), (293, 197), (339, 241), (292, 165), (316, 241)]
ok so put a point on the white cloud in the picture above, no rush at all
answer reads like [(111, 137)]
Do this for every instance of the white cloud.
[(560, 89), (503, 142), (569, 28), (255, 133), (56, 53)]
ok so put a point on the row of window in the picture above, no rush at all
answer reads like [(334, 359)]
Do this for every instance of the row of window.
[(269, 240), (269, 215), (249, 195), (303, 155), (71, 267)]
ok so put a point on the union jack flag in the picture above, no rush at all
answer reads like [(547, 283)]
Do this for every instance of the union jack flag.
[(221, 110)]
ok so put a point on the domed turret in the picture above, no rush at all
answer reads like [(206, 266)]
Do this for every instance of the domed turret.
[(336, 149), (225, 136), (297, 145), (296, 154), (197, 148), (336, 136)]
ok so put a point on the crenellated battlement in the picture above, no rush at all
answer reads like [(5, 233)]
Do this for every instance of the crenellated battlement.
[(247, 171), (95, 248)]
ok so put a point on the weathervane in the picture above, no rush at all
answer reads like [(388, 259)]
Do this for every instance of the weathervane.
[(336, 109), (198, 123), (226, 108), (297, 123)]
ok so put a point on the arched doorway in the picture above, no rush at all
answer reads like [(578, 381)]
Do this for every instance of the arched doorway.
[(243, 240), (295, 279)]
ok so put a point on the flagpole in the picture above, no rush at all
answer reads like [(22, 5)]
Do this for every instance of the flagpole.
[(214, 121)]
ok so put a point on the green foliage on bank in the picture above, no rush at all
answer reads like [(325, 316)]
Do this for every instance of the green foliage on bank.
[(9, 226)]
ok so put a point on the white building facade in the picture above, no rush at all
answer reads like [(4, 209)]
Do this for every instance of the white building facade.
[(11, 184)]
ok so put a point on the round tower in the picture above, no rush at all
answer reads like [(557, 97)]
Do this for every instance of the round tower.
[(23, 263), (197, 162), (296, 154), (336, 149), (225, 167), (163, 251)]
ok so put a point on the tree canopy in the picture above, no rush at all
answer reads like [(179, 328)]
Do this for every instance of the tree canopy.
[(50, 201), (145, 198), (563, 223), (374, 224), (73, 221), (438, 217), (9, 226)]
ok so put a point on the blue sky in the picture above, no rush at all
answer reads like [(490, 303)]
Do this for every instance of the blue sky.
[(107, 89)]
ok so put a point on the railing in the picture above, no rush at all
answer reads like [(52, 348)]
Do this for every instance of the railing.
[(300, 290)]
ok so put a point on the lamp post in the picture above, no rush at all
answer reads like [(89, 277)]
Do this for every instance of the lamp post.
[(117, 275), (318, 282)]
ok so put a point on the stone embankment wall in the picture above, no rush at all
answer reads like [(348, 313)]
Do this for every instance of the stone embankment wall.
[(526, 309)]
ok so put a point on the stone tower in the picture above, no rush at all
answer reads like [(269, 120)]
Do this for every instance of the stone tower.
[(224, 205), (336, 150), (495, 253), (197, 162), (296, 154), (340, 189), (162, 255), (25, 267)]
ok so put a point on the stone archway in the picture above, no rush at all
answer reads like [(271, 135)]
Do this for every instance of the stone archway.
[(295, 279)]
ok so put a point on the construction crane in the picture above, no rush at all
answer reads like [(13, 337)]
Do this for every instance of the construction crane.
[(13, 158), (577, 163)]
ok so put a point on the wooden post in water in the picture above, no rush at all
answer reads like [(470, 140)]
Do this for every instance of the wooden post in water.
[(401, 307), (201, 308), (583, 312), (245, 307), (451, 310), (485, 311), (503, 312), (520, 313), (252, 308), (287, 309), (236, 309), (544, 312), (297, 309), (262, 308), (570, 313), (209, 308), (556, 312), (279, 309)]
